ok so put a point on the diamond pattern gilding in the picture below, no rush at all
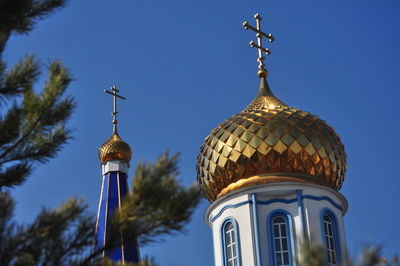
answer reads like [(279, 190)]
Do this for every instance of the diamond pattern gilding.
[(234, 156), (255, 142), (302, 140), (254, 128), (310, 149), (316, 143), (213, 143), (218, 133), (222, 161), (295, 147), (280, 147), (238, 132), (315, 158), (332, 157), (246, 123), (231, 140), (270, 137), (231, 128), (242, 160), (214, 156), (279, 132), (246, 136), (271, 140), (270, 125), (240, 145), (287, 139), (264, 148), (322, 152), (262, 133), (224, 136), (290, 154), (219, 146), (248, 151), (226, 151), (212, 167)]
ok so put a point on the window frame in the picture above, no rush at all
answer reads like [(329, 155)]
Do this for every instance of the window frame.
[(336, 237), (289, 233), (223, 242)]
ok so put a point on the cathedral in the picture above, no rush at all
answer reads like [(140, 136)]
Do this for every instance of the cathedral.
[(272, 174)]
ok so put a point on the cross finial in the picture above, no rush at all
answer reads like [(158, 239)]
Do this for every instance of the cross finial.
[(261, 72), (114, 92)]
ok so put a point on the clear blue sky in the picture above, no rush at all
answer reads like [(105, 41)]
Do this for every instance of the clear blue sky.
[(185, 66)]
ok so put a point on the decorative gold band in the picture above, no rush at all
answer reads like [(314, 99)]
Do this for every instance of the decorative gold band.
[(271, 178)]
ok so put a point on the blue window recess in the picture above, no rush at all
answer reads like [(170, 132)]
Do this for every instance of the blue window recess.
[(281, 242), (330, 237), (230, 243)]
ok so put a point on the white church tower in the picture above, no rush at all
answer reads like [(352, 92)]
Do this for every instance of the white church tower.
[(272, 174)]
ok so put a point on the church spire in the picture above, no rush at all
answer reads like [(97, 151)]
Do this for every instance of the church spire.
[(114, 155)]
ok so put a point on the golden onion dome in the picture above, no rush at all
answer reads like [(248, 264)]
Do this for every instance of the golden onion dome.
[(115, 149), (270, 142)]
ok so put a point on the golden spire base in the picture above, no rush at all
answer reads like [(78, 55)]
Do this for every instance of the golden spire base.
[(262, 73)]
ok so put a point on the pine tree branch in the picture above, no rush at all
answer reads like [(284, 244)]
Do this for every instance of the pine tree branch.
[(40, 152), (10, 125), (19, 16), (23, 137), (21, 77), (15, 175), (38, 116)]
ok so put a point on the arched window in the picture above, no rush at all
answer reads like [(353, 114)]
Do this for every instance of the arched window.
[(281, 247), (330, 238), (231, 244)]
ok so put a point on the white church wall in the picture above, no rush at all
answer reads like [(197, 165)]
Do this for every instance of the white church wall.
[(313, 211), (287, 197), (264, 212), (239, 209)]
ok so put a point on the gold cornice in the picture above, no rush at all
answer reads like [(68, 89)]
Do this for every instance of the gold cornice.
[(271, 178)]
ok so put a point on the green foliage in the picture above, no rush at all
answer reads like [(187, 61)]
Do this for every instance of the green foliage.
[(20, 16), (311, 255), (56, 237), (158, 204), (144, 262), (33, 129), (314, 255)]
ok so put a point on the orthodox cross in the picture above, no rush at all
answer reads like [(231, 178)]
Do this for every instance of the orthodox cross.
[(114, 92), (262, 72)]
